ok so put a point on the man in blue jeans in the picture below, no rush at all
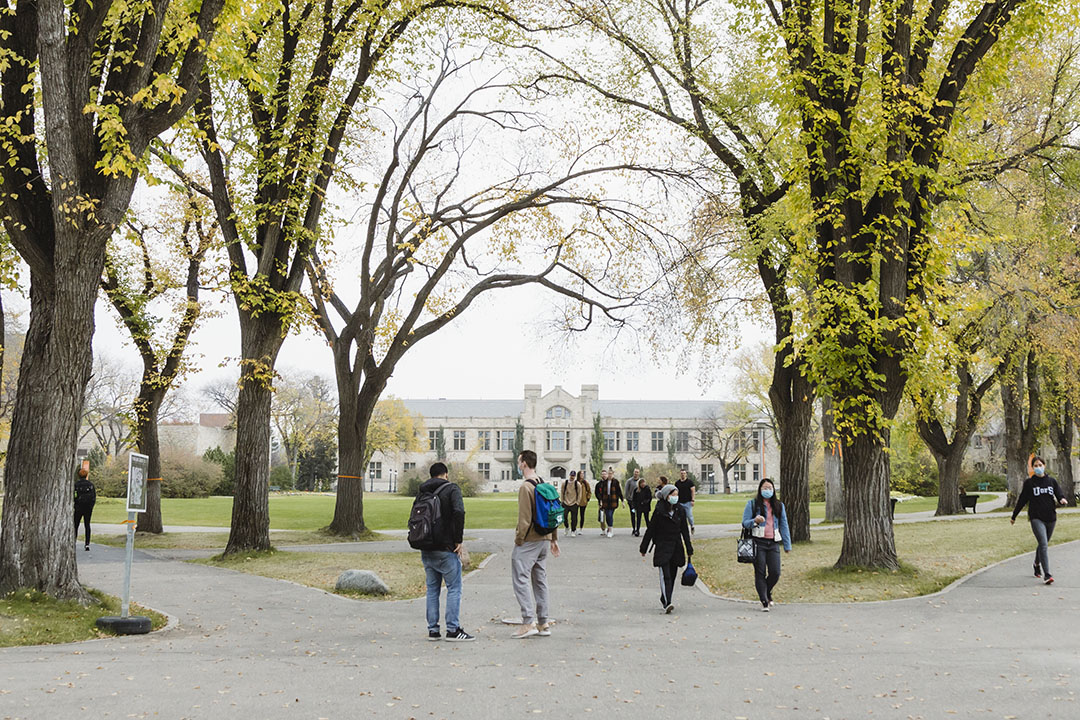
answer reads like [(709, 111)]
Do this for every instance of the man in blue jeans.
[(442, 563)]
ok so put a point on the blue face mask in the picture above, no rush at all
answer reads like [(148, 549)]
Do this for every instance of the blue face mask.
[(766, 493), (673, 499), (1040, 471)]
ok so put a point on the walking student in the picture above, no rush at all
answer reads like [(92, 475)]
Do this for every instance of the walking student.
[(687, 495), (574, 496), (528, 561), (628, 492), (766, 518), (1042, 494), (608, 494), (442, 555), (85, 497), (669, 533), (641, 502)]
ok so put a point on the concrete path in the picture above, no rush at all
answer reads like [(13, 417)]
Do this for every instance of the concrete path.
[(999, 645)]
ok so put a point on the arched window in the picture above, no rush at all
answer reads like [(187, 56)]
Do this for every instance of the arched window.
[(557, 411)]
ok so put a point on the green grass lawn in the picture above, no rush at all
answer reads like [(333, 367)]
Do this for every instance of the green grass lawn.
[(391, 512), (932, 554), (218, 540), (29, 617)]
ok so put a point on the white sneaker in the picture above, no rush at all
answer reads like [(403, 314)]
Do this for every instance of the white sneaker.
[(578, 533), (609, 533)]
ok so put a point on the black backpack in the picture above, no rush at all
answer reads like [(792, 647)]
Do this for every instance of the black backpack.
[(425, 521), (85, 493)]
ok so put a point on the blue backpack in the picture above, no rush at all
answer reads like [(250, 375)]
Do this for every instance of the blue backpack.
[(547, 511)]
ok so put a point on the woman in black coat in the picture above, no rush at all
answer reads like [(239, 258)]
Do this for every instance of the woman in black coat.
[(669, 532), (641, 501)]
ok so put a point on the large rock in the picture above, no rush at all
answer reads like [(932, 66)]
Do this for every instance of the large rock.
[(364, 581)]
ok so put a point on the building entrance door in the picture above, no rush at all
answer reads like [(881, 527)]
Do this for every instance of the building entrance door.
[(557, 471)]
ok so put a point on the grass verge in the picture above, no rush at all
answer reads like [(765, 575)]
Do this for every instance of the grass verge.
[(932, 555), (218, 540), (402, 572), (30, 617)]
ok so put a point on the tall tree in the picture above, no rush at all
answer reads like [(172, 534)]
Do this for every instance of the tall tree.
[(879, 91), (444, 227), (137, 282), (304, 409), (672, 62), (106, 77), (107, 406)]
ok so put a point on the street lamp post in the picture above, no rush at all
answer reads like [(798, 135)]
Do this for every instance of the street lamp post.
[(712, 483), (393, 481), (371, 481)]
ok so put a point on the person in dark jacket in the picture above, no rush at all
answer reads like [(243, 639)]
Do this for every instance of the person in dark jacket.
[(85, 497), (669, 532), (443, 563), (1042, 494), (641, 502), (608, 493), (766, 517)]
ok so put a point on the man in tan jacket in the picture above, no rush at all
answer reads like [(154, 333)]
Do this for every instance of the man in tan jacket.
[(528, 561), (574, 496)]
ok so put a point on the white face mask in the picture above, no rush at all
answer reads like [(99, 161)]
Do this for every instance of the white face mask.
[(1040, 470), (673, 499)]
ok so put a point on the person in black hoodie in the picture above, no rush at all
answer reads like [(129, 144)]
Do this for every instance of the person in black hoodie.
[(1042, 494), (669, 532), (442, 564), (641, 502), (85, 497)]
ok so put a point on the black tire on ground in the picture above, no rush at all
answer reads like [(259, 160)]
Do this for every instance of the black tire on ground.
[(132, 625)]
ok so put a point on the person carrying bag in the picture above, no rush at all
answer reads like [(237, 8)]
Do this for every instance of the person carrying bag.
[(766, 519), (669, 532)]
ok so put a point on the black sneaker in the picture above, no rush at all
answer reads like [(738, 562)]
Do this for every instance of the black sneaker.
[(1049, 580), (434, 635), (459, 635), (1038, 570)]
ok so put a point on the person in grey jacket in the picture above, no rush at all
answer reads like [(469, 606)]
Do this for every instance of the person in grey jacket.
[(629, 488)]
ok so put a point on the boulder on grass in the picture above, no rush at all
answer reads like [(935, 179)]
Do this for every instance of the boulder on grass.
[(365, 581)]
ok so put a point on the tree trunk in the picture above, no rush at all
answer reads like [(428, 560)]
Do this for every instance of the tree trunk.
[(948, 502), (356, 407), (1020, 433), (727, 482), (793, 406), (1062, 433), (37, 547), (260, 340), (834, 475), (868, 527), (147, 406)]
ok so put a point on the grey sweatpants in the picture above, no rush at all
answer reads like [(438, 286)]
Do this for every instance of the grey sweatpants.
[(528, 569)]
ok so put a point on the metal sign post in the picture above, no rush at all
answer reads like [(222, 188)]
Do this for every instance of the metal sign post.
[(138, 467)]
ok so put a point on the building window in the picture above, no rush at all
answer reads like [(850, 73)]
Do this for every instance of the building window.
[(376, 468), (484, 469), (505, 475), (706, 440), (977, 440), (757, 473), (408, 467), (683, 466), (682, 441), (506, 440), (707, 477), (980, 467), (459, 439), (739, 475), (557, 440), (657, 441), (557, 412), (612, 440), (432, 440), (483, 439), (632, 440), (755, 440)]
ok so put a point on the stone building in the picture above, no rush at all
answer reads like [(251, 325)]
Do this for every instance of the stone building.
[(479, 435)]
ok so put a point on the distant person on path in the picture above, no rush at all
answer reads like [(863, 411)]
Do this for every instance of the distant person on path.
[(85, 497), (574, 496), (1042, 494), (608, 494), (528, 561), (641, 501), (629, 487), (687, 495), (660, 483), (442, 561), (669, 532), (766, 518)]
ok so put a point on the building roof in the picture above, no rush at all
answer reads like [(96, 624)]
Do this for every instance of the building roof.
[(450, 408)]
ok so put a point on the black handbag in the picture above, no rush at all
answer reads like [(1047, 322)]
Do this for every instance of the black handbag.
[(745, 550), (689, 575)]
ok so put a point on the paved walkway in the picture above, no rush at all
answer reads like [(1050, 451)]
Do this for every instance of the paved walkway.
[(999, 645)]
